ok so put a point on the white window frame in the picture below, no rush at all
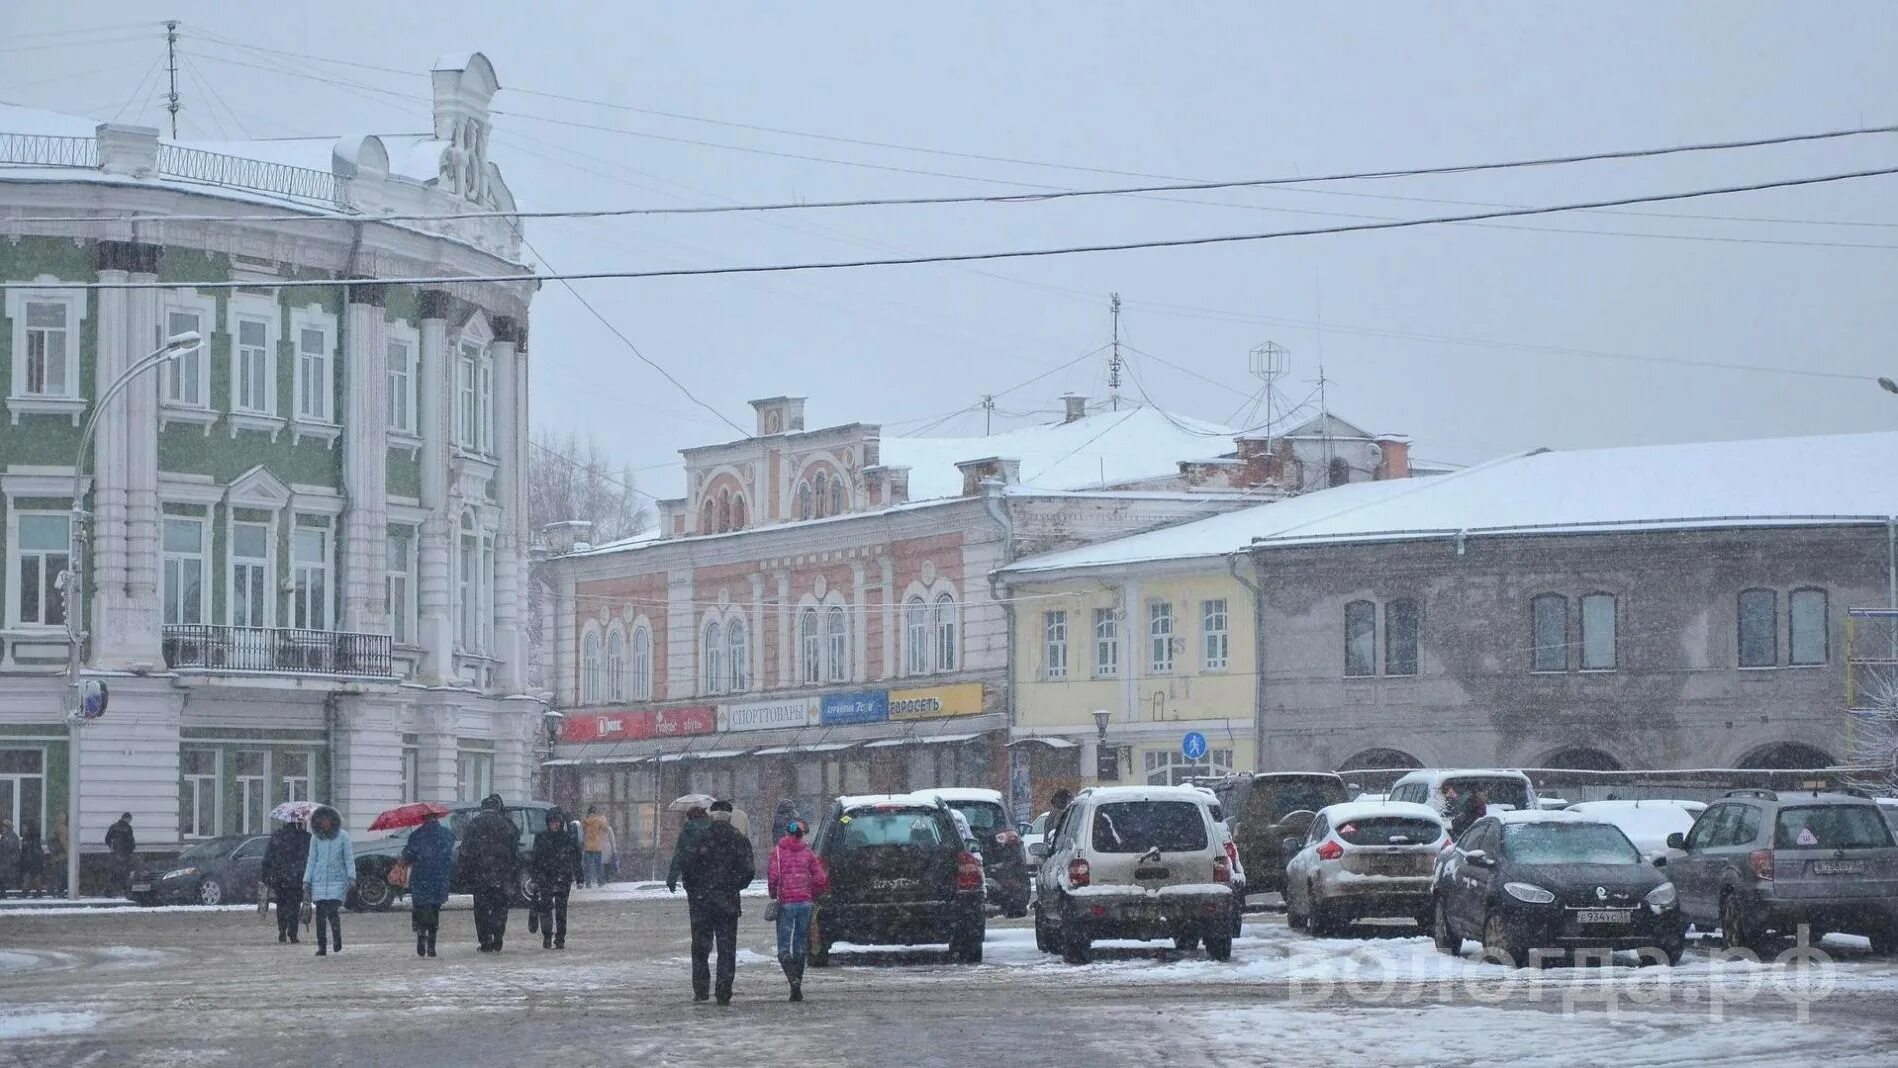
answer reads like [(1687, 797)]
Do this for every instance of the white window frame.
[(245, 783), (189, 373), (836, 643), (174, 563), (1215, 645), (1054, 644), (467, 584), (1107, 645), (486, 605), (404, 413), (917, 643), (321, 422), (712, 657), (945, 631), (399, 592), (640, 659), (15, 557), (616, 663), (810, 644), (737, 654), (592, 665), (1591, 636), (269, 562), (484, 405), (295, 787), (1160, 638), (300, 568), (468, 356), (264, 310), (474, 772), (195, 828), (69, 401), (411, 772)]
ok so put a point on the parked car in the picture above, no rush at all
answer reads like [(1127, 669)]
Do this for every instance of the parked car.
[(1889, 806), (1510, 790), (1759, 862), (1527, 880), (374, 858), (1363, 859), (1140, 862), (899, 874), (1034, 833), (1264, 809), (1646, 822), (218, 871), (1004, 858)]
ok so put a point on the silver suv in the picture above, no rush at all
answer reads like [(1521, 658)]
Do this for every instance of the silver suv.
[(1140, 862), (1757, 861)]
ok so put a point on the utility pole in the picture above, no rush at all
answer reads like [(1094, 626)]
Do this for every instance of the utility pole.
[(1324, 417), (988, 414), (1113, 361), (171, 65)]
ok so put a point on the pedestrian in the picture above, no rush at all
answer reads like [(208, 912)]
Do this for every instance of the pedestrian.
[(490, 863), (556, 870), (595, 831), (716, 867), (781, 818), (796, 879), (32, 859), (1474, 807), (431, 856), (696, 821), (329, 876), (56, 860), (9, 858), (123, 845), (284, 860)]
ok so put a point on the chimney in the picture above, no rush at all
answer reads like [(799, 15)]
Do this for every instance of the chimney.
[(779, 415), (1076, 407), (563, 536), (131, 150), (1393, 457), (975, 472), (888, 485)]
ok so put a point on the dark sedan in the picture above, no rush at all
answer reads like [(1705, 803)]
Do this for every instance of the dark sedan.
[(1522, 882), (218, 871)]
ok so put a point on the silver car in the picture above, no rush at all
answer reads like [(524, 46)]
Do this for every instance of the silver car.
[(1363, 859)]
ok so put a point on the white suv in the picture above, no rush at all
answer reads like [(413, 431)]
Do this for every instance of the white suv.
[(1141, 862)]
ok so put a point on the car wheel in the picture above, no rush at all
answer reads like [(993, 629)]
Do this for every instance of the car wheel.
[(1296, 920), (210, 892), (967, 948), (1042, 942), (374, 893), (1440, 932), (1076, 946), (1885, 942), (1218, 947), (1323, 923), (1735, 928), (1501, 944)]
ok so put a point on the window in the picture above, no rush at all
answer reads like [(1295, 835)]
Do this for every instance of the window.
[(484, 405), (1598, 632), (474, 773), (738, 512), (1808, 626), (313, 374), (1360, 639), (823, 494), (467, 586), (250, 599), (309, 576), (916, 636), (810, 646), (185, 380), (590, 681), (399, 592), (183, 570), (251, 378), (43, 543), (948, 650), (198, 793), (1759, 628), (467, 399), (737, 657), (1173, 769), (23, 786), (1160, 637), (253, 788), (484, 603), (48, 344), (616, 665), (642, 664), (804, 500), (1215, 635), (1106, 643), (837, 638), (1548, 622), (838, 505), (411, 770), (1054, 645), (1401, 625), (401, 387), (713, 660)]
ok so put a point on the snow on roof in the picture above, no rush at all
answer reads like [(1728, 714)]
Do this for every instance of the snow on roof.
[(41, 123), (1758, 482), (962, 793), (1536, 815), (855, 801), (1106, 448)]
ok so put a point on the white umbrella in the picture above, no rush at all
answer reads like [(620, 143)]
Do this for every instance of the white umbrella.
[(294, 811), (692, 801)]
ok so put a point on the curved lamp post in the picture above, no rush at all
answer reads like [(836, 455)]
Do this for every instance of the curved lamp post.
[(76, 708)]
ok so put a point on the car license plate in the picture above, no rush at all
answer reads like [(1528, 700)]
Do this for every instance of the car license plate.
[(1153, 873), (1838, 867), (139, 888), (1393, 866), (1604, 916)]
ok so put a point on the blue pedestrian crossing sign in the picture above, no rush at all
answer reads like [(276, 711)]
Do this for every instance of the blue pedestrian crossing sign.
[(1193, 745)]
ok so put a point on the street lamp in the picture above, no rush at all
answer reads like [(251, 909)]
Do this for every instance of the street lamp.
[(78, 708), (1887, 385)]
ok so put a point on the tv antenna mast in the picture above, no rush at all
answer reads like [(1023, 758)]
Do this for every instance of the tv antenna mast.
[(1269, 361)]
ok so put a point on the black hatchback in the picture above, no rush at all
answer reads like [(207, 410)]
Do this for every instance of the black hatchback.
[(899, 875), (1524, 881)]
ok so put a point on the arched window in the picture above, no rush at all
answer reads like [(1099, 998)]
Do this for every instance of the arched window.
[(714, 659), (724, 510), (737, 657), (616, 664), (738, 512), (710, 523), (1759, 628), (916, 636), (1548, 632), (590, 668), (642, 664), (837, 503), (1379, 760), (947, 649), (823, 494), (1787, 755), (804, 500), (810, 646), (1360, 639), (1581, 758), (837, 644)]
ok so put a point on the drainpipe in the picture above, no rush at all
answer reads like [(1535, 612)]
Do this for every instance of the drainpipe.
[(1891, 563), (997, 508), (330, 716), (1258, 656)]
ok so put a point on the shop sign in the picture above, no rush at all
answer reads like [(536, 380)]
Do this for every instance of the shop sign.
[(856, 706), (673, 722), (581, 728), (964, 699), (766, 715)]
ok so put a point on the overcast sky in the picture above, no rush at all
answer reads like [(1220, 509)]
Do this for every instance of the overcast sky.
[(1468, 338)]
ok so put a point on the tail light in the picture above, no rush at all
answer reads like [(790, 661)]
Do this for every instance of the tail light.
[(1330, 850), (1762, 862), (1222, 870), (1232, 853), (1079, 874), (968, 872)]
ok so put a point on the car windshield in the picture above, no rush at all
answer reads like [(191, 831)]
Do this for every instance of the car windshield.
[(1568, 843), (903, 827), (1831, 827), (982, 815), (1137, 826), (1389, 830), (1287, 798), (211, 850), (1501, 790)]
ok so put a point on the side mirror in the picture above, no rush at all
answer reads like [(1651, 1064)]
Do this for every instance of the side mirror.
[(1677, 840), (1659, 860), (1479, 858), (1291, 847), (1024, 828), (1038, 850)]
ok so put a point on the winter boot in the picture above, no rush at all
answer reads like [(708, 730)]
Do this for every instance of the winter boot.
[(431, 941), (797, 991), (421, 945)]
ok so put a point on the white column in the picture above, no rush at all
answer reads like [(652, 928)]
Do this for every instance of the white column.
[(139, 405), (508, 549), (112, 354), (434, 390), (365, 364), (889, 616), (859, 639)]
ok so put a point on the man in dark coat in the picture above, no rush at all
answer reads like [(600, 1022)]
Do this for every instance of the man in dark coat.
[(1474, 806), (284, 860), (557, 868), (9, 857), (123, 845), (490, 865), (717, 865), (695, 823)]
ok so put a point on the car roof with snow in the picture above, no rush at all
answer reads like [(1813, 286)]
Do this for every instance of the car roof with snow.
[(1601, 808), (1512, 817), (855, 801), (1194, 794), (1364, 810), (961, 793), (1439, 774)]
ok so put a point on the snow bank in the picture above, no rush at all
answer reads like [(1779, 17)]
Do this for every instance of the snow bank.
[(35, 1024)]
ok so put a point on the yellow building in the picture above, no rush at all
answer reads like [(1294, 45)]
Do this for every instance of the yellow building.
[(1122, 649)]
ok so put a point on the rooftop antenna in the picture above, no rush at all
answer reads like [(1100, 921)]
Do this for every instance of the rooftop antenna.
[(988, 414), (171, 65), (1113, 360), (1268, 363)]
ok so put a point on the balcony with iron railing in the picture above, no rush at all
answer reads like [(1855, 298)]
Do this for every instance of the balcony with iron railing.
[(278, 651)]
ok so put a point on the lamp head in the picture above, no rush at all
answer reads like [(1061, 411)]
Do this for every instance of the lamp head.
[(1101, 716), (182, 344), (1887, 385)]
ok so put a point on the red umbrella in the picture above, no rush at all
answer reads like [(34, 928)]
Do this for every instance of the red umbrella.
[(412, 815)]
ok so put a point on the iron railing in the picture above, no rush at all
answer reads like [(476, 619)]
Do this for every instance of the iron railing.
[(217, 168), (46, 150), (278, 650)]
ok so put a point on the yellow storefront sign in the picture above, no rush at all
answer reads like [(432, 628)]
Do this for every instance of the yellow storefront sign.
[(935, 701)]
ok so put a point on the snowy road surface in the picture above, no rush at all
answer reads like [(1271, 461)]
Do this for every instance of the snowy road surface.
[(197, 987)]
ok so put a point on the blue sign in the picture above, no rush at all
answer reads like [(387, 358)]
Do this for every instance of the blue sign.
[(1193, 745), (857, 706)]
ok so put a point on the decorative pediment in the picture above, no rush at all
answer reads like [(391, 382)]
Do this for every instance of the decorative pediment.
[(258, 488)]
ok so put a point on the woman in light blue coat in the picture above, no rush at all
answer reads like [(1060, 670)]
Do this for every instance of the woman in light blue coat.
[(329, 875)]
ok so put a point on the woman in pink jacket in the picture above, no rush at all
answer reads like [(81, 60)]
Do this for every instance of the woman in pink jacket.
[(796, 879)]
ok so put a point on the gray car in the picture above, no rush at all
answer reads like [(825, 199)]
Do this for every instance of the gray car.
[(1759, 862), (1363, 859)]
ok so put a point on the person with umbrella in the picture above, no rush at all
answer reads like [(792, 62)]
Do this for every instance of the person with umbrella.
[(284, 861), (430, 855), (696, 821), (490, 863), (329, 874), (717, 866), (557, 868)]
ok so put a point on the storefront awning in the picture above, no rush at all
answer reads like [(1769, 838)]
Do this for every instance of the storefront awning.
[(820, 747), (1050, 741), (582, 762), (937, 739), (710, 754)]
